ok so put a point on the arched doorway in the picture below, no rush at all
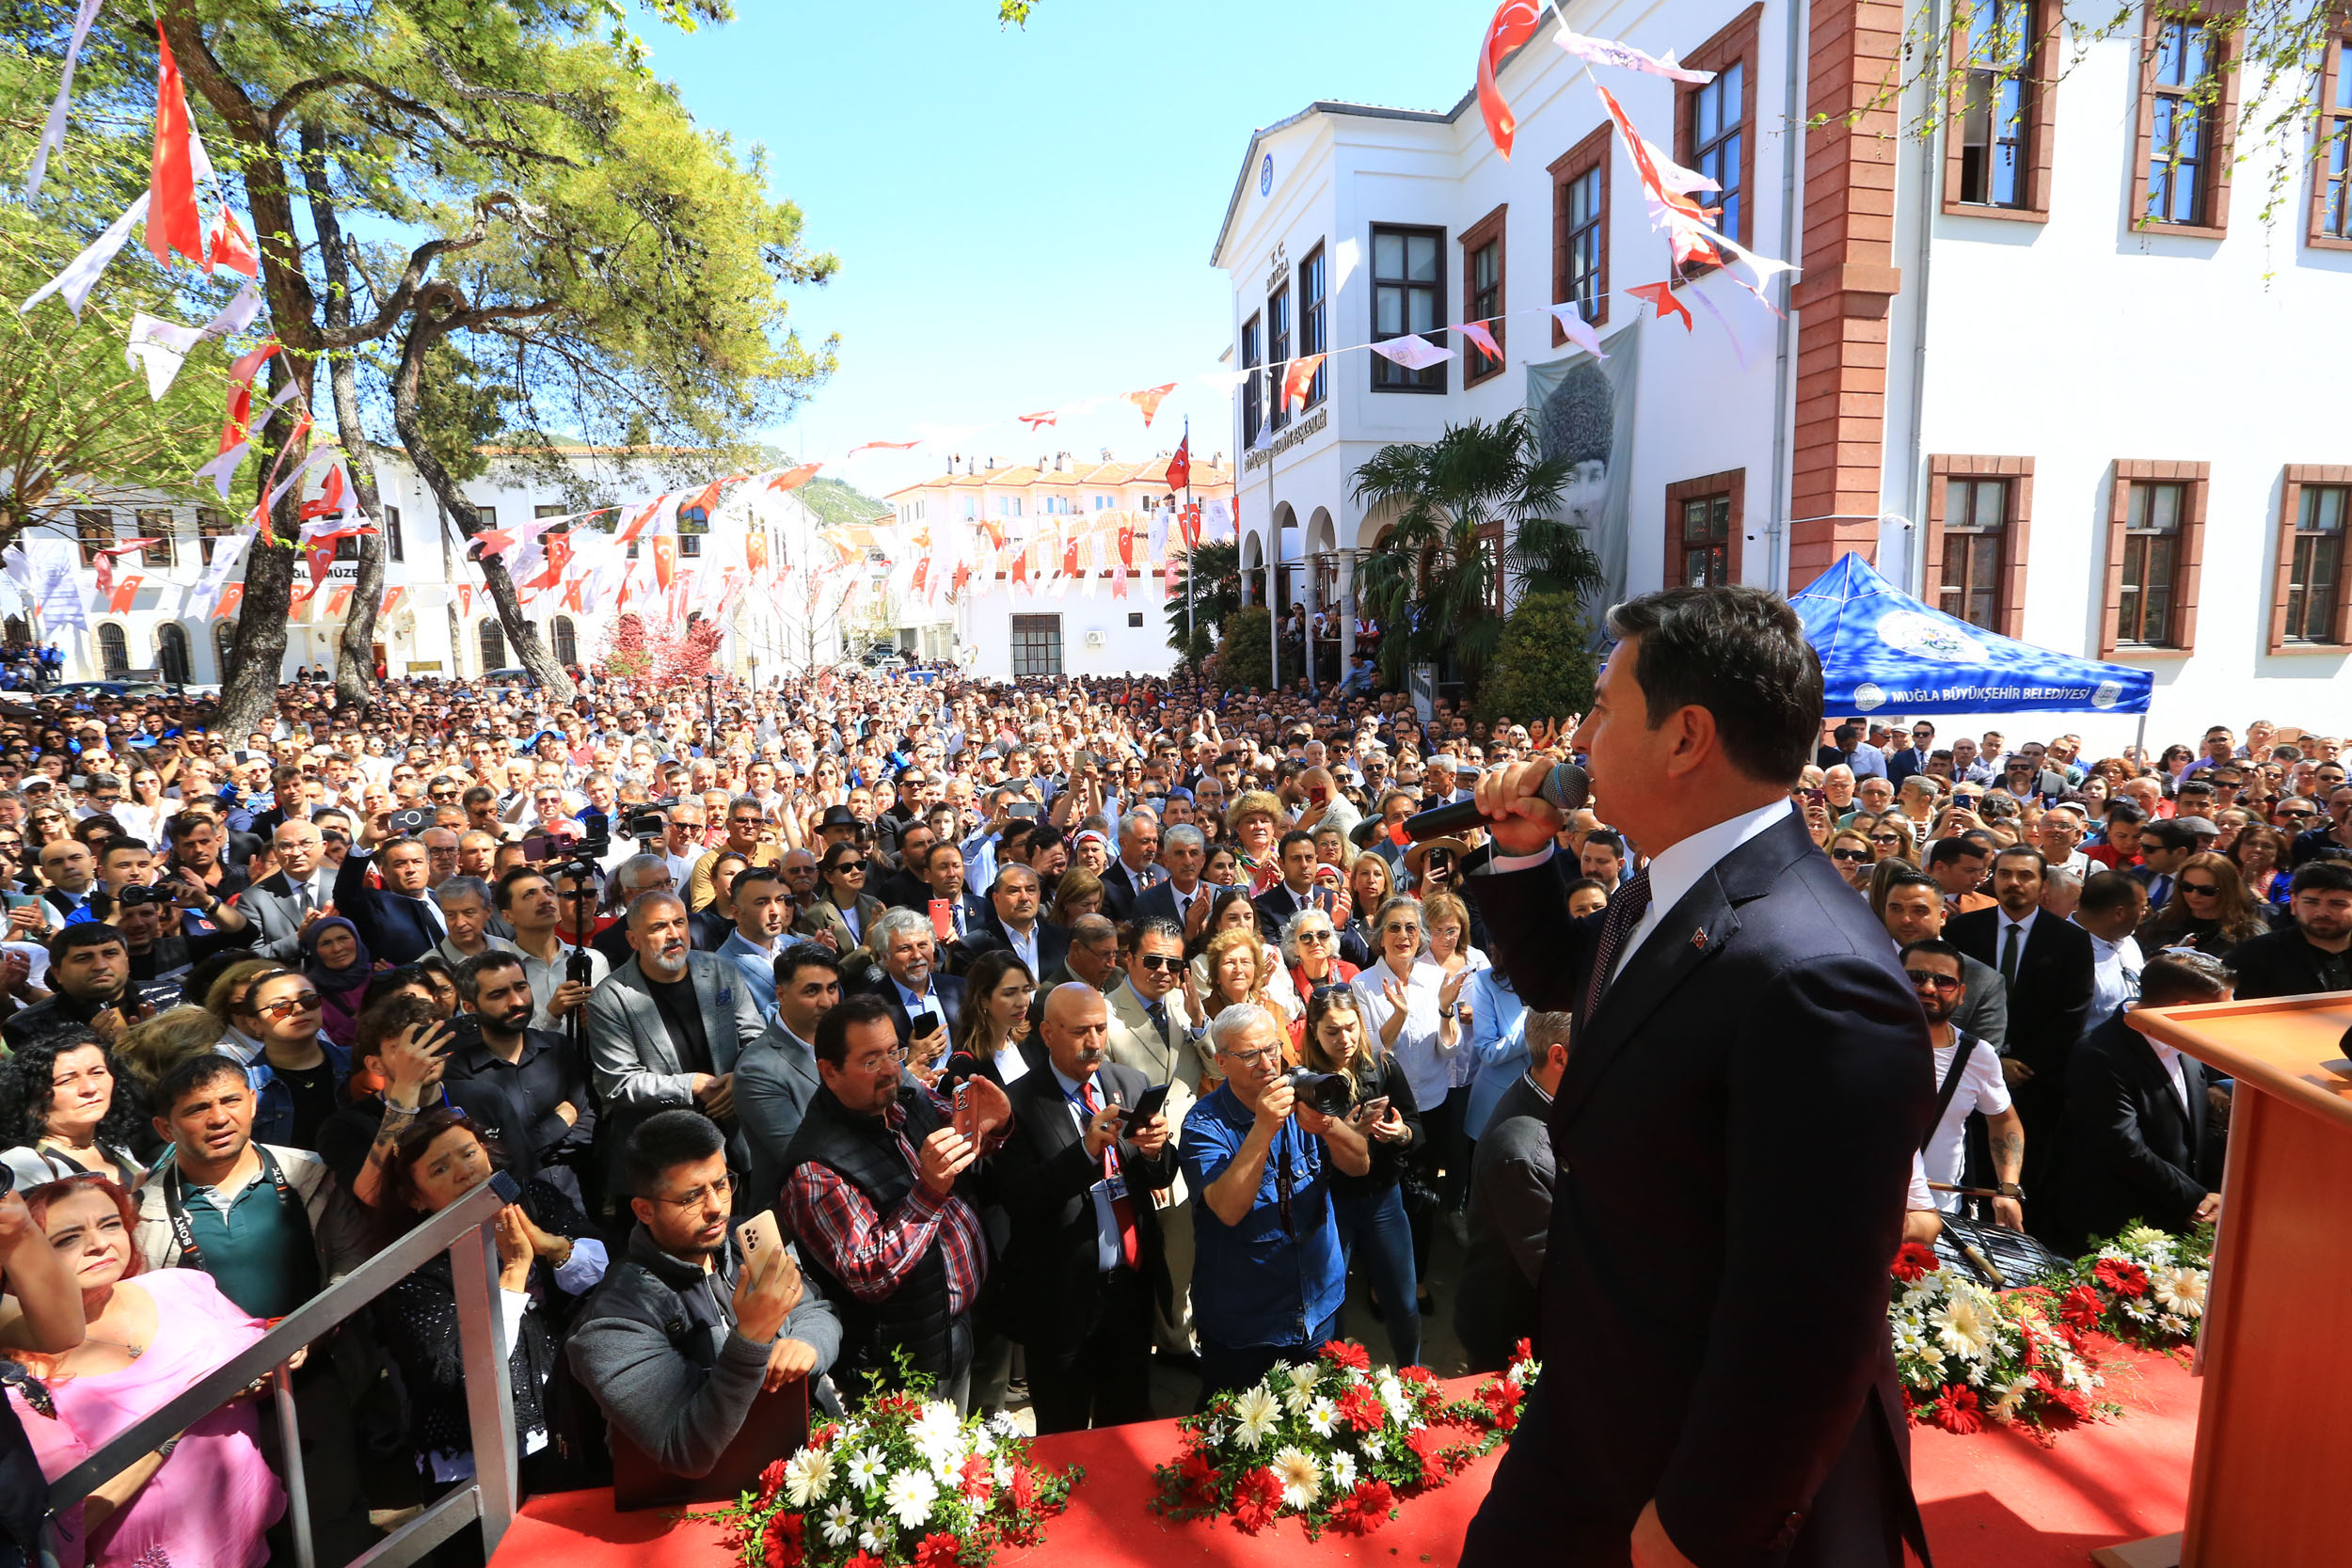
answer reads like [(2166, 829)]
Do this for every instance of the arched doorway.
[(493, 638), (16, 630), (114, 652), (224, 639), (566, 640), (171, 653)]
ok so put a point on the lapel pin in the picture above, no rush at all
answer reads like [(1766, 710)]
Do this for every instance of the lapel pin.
[(1699, 938)]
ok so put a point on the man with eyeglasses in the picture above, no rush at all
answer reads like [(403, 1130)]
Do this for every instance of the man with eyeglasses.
[(1269, 1275), (542, 915), (748, 835), (2315, 832), (676, 1347), (1968, 1082), (881, 1192)]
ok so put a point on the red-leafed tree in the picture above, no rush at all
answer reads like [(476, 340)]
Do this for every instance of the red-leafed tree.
[(627, 649), (687, 655)]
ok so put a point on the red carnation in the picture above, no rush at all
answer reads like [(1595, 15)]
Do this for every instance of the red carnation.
[(1340, 1353), (1915, 1261), (976, 1477), (780, 1542), (1362, 1408), (1255, 1500), (2122, 1275), (1524, 1350), (867, 1559), (1023, 1487), (2081, 1308), (771, 1480), (1375, 1497), (1955, 1410), (936, 1550), (1421, 1375), (1198, 1478)]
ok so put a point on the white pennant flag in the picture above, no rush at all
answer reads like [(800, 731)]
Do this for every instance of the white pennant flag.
[(81, 273), (1412, 351), (238, 314), (1624, 56), (160, 347), (1576, 329), (53, 134)]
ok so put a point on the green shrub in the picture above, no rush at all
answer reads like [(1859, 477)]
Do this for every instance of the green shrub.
[(1245, 650), (1545, 666)]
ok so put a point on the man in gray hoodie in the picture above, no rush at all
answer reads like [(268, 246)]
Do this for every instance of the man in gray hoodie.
[(678, 1339)]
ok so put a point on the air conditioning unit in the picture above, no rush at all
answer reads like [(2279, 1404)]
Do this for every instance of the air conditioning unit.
[(1097, 638)]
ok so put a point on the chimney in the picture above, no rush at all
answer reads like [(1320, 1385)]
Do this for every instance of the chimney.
[(1061, 462), (991, 464)]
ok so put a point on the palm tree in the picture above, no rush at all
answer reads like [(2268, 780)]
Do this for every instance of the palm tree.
[(1433, 581), (1217, 595)]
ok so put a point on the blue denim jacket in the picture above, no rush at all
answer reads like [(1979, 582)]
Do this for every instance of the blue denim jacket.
[(273, 1102)]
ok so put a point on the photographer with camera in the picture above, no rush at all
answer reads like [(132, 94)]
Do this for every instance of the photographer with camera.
[(1269, 1275)]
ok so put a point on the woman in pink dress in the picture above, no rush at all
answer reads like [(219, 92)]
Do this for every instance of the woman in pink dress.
[(201, 1500)]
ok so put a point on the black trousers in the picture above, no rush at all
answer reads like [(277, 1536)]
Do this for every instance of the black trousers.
[(1103, 1378)]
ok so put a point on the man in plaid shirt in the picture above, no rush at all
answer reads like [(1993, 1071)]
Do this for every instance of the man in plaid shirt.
[(878, 1193)]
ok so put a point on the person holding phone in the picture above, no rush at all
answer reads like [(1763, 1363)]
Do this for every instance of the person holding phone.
[(1074, 1180), (1369, 1209)]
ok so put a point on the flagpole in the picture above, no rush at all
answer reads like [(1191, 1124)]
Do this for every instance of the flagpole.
[(1192, 548)]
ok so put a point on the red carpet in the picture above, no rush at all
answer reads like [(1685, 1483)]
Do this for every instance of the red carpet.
[(1998, 1499)]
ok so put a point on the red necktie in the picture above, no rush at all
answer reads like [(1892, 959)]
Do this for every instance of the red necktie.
[(1123, 1207)]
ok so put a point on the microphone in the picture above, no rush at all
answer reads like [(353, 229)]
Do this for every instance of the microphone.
[(1567, 786)]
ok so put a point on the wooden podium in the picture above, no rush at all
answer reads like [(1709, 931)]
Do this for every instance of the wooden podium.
[(2274, 1426)]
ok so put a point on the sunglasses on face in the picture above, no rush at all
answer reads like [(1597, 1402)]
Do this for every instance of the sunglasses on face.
[(1854, 856), (1165, 963), (1886, 838), (2201, 890), (306, 1002), (1929, 977)]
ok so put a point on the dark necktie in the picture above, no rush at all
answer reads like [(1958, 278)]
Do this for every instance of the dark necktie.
[(2008, 956), (1123, 1207), (1624, 912), (1157, 1013)]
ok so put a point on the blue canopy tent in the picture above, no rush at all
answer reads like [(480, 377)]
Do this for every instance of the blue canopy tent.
[(1883, 649)]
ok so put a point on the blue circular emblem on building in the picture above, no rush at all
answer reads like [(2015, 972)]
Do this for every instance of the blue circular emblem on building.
[(1265, 175)]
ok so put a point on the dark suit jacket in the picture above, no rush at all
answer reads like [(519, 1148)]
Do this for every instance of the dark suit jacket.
[(707, 930), (396, 928), (947, 986), (1983, 1013), (2276, 963), (1052, 942), (1051, 1291), (1510, 1223), (1760, 1044), (1158, 902), (1120, 891), (1276, 906), (2129, 1150), (2049, 1001), (1903, 763)]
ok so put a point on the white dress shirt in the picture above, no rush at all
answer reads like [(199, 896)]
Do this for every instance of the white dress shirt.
[(1677, 870), (2114, 976), (2169, 1060)]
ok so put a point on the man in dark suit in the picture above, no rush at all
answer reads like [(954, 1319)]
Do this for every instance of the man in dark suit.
[(1297, 891), (1132, 871), (1744, 1033), (910, 984), (1913, 758), (1077, 1185), (2139, 1143), (908, 887), (1013, 921), (2050, 972), (2313, 955), (1184, 852), (397, 921), (1510, 1205), (776, 1075), (1911, 906), (285, 901), (967, 914)]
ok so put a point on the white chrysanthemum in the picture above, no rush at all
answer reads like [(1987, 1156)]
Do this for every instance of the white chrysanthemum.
[(1965, 1327), (938, 1433), (1323, 1415), (1300, 1476), (1255, 1411), (1359, 1376), (1910, 1339), (1375, 1446), (1005, 1424), (1002, 1471), (867, 1470), (2139, 1311), (840, 1523), (1343, 1471), (947, 1470), (1299, 1388), (910, 1496), (981, 1442), (807, 1475), (1392, 1395), (2013, 1396), (2147, 1238), (2183, 1290), (874, 1537)]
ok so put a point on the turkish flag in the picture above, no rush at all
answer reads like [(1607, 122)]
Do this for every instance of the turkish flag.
[(792, 479), (119, 602), (571, 597), (1149, 401), (756, 552), (665, 559), (102, 571), (1297, 382), (557, 548), (1180, 465), (229, 248), (338, 599), (392, 602), (464, 598), (173, 221), (319, 556), (1662, 298), (1514, 21), (231, 597), (331, 501)]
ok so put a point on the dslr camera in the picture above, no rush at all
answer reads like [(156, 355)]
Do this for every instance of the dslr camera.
[(1327, 1092)]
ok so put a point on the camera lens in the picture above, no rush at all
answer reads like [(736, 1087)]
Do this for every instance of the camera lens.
[(1327, 1092)]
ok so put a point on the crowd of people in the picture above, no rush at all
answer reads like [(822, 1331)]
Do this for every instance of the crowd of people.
[(1064, 1029)]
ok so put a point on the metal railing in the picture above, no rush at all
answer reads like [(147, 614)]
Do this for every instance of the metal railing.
[(463, 1231)]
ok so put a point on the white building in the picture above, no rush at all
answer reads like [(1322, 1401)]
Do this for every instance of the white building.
[(2020, 400), (1052, 625), (443, 624)]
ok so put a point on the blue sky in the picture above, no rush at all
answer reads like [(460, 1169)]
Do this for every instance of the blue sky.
[(1024, 217)]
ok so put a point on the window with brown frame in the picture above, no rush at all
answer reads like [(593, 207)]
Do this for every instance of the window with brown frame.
[(212, 526), (1579, 230), (1979, 512), (1407, 286), (2188, 88), (2331, 154), (94, 531), (2311, 594), (1482, 292), (2156, 557), (1715, 125), (1997, 147), (1703, 519), (155, 523)]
